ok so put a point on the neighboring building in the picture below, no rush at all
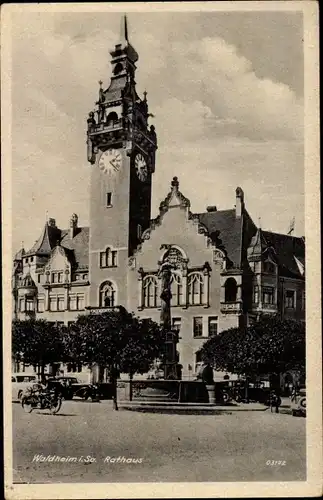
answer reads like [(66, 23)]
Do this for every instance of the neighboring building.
[(226, 270)]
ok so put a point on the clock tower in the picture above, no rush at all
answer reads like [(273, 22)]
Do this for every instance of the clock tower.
[(121, 150)]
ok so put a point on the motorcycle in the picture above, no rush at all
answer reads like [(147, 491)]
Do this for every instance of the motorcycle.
[(47, 400)]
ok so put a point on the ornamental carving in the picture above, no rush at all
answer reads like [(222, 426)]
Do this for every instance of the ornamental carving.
[(132, 262), (146, 234)]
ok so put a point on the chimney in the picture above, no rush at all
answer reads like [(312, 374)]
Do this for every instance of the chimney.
[(211, 208), (73, 225), (239, 202)]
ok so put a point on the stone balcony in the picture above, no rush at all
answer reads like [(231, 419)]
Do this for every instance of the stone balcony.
[(231, 307), (268, 308)]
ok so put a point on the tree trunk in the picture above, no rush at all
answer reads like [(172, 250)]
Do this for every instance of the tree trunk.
[(113, 380), (246, 394), (130, 387)]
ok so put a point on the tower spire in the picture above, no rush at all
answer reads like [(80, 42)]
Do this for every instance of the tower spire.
[(124, 29)]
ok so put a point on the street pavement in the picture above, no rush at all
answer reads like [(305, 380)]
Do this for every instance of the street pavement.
[(90, 442)]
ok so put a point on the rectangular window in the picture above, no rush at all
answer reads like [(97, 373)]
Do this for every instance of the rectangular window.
[(22, 305), (139, 231), (198, 326), (54, 278), (80, 302), (290, 299), (213, 325), (41, 305), (39, 278), (109, 199), (53, 303), (176, 324), (103, 260), (61, 303), (113, 258), (30, 305), (31, 259), (72, 303), (60, 277), (255, 299), (268, 295)]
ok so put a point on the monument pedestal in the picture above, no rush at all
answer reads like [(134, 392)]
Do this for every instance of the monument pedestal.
[(211, 392)]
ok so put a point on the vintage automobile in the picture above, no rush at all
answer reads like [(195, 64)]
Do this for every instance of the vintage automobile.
[(259, 392), (20, 382), (298, 403), (70, 387)]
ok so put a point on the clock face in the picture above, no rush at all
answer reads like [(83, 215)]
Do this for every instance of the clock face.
[(141, 167), (110, 161)]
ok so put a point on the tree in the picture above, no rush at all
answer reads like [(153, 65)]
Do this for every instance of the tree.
[(37, 342), (114, 340), (270, 346)]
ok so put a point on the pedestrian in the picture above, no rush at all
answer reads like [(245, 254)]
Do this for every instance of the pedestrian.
[(275, 402)]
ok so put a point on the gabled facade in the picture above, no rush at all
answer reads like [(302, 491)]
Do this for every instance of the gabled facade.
[(226, 271)]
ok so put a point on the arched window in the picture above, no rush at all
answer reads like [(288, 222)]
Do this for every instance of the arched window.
[(107, 295), (230, 290), (176, 289), (150, 286), (112, 118), (195, 288), (108, 258), (118, 68)]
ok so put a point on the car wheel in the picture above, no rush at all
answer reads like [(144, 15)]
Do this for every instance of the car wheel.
[(20, 395), (302, 402)]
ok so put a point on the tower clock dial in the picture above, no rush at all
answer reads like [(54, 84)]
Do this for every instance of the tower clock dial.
[(141, 167), (110, 161)]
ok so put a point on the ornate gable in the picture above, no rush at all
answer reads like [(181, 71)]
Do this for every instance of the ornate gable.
[(174, 198), (58, 261)]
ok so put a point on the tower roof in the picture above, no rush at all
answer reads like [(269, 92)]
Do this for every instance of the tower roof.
[(19, 255), (48, 239), (257, 245)]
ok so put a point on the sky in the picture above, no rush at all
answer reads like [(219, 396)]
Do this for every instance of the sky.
[(225, 89)]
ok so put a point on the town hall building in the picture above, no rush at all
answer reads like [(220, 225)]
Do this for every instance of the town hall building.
[(226, 271)]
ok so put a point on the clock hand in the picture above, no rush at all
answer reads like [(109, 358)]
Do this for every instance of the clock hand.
[(112, 163)]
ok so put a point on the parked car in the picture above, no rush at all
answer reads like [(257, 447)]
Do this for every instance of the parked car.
[(69, 387), (19, 383), (259, 392), (298, 403)]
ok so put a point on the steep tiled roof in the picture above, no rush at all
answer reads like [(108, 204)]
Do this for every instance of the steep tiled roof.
[(257, 245), (225, 226), (19, 255), (77, 247), (287, 247), (47, 241)]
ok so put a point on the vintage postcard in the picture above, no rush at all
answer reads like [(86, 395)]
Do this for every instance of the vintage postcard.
[(161, 264)]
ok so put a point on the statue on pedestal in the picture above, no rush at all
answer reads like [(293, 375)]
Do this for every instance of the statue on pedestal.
[(170, 367)]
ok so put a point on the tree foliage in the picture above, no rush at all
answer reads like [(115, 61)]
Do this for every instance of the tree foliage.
[(114, 339), (36, 342), (269, 346)]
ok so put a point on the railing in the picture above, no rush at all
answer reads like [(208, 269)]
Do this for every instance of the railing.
[(103, 126), (265, 307), (231, 307)]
